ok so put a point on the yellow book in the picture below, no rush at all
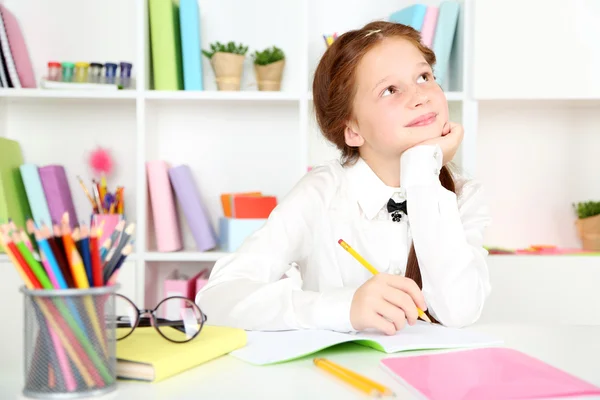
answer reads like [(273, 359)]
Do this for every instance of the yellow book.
[(145, 355)]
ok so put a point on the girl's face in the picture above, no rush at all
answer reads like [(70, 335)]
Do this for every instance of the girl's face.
[(397, 103)]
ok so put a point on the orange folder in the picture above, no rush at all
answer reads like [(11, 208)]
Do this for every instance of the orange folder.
[(227, 201), (253, 206)]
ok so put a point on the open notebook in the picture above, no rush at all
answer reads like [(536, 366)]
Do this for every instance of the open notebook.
[(265, 348)]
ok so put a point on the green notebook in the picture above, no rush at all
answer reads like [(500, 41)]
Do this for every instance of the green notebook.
[(13, 198), (165, 45)]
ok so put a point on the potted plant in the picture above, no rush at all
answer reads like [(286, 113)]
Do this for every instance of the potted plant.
[(227, 61), (268, 66), (588, 224)]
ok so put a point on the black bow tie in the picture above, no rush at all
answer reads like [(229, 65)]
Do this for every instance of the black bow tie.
[(394, 207)]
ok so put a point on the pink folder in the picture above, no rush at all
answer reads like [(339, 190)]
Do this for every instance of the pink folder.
[(18, 48), (488, 373), (429, 24)]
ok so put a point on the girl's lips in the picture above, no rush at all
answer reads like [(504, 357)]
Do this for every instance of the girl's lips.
[(423, 120)]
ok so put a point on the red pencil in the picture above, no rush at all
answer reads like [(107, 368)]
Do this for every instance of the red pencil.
[(22, 263), (96, 261)]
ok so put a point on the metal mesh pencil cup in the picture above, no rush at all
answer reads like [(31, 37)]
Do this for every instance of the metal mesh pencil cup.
[(69, 342)]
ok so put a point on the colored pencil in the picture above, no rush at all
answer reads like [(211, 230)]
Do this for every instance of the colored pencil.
[(372, 269)]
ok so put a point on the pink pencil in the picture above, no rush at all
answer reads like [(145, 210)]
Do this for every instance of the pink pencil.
[(62, 361)]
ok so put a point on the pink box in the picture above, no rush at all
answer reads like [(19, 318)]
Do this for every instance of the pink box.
[(110, 222), (180, 285)]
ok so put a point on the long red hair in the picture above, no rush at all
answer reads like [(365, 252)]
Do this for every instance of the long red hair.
[(334, 91)]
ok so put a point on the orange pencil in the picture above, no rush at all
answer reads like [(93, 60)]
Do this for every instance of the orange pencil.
[(73, 256)]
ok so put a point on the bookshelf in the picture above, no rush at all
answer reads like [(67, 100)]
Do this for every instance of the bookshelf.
[(233, 141)]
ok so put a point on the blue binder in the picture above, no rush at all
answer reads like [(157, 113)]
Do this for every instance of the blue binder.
[(412, 16), (189, 22), (444, 38)]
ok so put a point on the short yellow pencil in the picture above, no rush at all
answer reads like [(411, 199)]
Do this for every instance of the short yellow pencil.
[(372, 269)]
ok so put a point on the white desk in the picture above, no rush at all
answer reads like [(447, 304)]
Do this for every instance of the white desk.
[(575, 349)]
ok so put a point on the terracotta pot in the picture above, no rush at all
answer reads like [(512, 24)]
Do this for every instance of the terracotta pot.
[(269, 76), (589, 232), (228, 68)]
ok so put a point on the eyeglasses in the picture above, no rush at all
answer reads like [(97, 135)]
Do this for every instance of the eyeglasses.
[(176, 318)]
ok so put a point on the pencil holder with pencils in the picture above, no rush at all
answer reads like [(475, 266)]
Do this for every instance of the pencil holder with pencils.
[(70, 342)]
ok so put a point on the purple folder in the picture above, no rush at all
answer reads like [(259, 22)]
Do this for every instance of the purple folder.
[(58, 194), (193, 209)]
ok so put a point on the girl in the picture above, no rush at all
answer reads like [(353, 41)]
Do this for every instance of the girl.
[(392, 198)]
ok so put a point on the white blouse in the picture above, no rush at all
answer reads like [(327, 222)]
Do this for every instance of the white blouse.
[(249, 289)]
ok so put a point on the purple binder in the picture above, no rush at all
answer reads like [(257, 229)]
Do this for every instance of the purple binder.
[(189, 198), (58, 194)]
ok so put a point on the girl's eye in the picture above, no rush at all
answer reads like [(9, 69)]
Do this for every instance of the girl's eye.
[(426, 77), (389, 90)]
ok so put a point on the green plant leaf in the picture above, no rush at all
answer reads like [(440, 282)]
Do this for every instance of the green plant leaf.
[(268, 56), (587, 209), (229, 47)]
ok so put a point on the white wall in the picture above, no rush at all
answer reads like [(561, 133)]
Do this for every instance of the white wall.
[(536, 158)]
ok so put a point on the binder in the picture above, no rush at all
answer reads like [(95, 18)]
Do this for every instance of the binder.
[(166, 45), (35, 194), (58, 194), (429, 25), (8, 58), (444, 38), (412, 16), (193, 209), (18, 47), (166, 223), (190, 44), (13, 198)]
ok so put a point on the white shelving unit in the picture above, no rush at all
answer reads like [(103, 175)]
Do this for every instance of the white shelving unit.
[(233, 141)]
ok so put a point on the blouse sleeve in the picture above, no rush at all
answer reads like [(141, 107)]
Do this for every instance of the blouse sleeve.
[(245, 288), (447, 232)]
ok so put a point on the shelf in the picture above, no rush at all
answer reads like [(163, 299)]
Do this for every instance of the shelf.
[(450, 96), (224, 95), (67, 94), (188, 256)]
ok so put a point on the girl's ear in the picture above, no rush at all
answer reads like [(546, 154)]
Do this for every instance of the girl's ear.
[(352, 137)]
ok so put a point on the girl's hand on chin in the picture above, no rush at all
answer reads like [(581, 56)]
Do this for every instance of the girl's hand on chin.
[(452, 136)]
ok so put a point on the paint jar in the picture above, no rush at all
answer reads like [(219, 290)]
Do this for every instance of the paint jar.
[(81, 72), (54, 71), (67, 71), (125, 74), (96, 72), (110, 73)]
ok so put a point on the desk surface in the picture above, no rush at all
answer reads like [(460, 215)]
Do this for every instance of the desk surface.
[(574, 349)]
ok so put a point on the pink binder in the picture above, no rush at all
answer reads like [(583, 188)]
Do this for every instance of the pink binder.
[(58, 194), (164, 213), (18, 49), (487, 373), (429, 23)]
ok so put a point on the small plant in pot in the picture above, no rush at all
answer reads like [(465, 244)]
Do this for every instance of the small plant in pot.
[(588, 224), (227, 61), (268, 66)]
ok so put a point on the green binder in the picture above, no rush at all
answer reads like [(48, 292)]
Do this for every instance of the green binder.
[(165, 45), (13, 198)]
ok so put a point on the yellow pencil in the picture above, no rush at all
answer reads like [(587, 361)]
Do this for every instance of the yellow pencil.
[(372, 269), (358, 381)]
